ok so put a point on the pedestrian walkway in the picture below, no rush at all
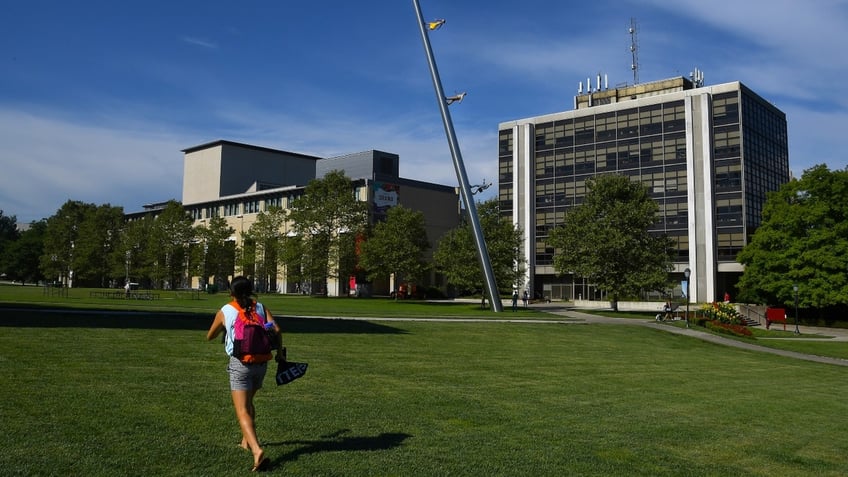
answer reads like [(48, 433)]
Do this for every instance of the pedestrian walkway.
[(824, 334)]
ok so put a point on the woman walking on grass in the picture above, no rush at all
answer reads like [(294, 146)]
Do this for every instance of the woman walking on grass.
[(246, 371)]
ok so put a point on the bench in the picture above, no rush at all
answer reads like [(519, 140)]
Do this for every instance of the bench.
[(106, 294), (143, 296), (675, 313), (133, 295), (775, 315), (192, 293)]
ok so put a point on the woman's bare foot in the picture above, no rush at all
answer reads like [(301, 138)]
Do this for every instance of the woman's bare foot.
[(244, 445), (260, 462)]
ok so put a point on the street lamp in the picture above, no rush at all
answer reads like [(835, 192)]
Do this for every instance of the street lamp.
[(795, 289), (686, 274), (128, 254)]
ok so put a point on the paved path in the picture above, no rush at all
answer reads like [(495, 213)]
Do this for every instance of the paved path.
[(826, 334)]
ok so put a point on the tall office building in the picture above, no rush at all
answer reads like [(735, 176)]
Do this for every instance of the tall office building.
[(708, 154)]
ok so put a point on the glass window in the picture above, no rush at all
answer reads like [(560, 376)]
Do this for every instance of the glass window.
[(584, 130), (726, 142), (544, 164), (628, 123), (564, 133), (650, 120), (505, 142), (544, 136), (674, 117), (728, 177), (251, 206), (605, 127), (725, 108)]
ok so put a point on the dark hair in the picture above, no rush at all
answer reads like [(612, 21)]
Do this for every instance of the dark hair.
[(242, 291)]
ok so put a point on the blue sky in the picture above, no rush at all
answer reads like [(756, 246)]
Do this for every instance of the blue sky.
[(97, 98)]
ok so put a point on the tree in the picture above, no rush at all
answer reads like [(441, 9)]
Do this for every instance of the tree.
[(396, 246), (139, 254), (266, 238), (23, 255), (456, 253), (8, 235), (326, 218), (293, 257), (803, 241), (170, 240), (80, 244), (217, 251), (61, 236), (98, 244), (607, 239)]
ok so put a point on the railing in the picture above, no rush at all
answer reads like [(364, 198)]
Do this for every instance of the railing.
[(752, 312)]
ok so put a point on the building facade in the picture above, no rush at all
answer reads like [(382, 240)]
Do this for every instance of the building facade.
[(708, 154), (239, 181)]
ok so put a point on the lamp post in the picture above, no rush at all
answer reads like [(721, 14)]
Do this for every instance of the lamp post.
[(795, 289), (687, 273), (127, 263)]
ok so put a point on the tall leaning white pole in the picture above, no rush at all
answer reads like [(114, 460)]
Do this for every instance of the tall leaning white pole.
[(462, 177)]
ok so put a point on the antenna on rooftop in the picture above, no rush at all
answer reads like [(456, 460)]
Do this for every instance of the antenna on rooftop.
[(634, 51), (697, 77)]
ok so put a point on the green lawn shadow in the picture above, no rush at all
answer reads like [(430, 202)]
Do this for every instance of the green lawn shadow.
[(34, 317), (336, 443)]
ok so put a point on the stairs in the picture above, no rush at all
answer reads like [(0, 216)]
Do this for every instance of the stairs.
[(749, 322), (751, 315)]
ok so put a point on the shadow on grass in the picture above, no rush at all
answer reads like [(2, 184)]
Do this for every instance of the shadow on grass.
[(336, 443), (33, 317)]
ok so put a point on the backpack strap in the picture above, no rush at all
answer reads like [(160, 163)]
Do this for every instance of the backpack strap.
[(254, 317)]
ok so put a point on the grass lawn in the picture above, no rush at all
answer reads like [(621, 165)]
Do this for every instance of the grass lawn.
[(145, 394), (279, 304)]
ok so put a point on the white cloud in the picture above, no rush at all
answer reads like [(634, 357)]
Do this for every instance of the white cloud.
[(795, 47), (200, 42), (47, 161)]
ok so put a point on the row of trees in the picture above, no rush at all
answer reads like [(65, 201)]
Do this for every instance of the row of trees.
[(802, 242), (330, 236)]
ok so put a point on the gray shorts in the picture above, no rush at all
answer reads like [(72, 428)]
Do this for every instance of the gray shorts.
[(245, 377)]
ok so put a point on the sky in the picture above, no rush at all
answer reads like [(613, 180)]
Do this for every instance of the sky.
[(99, 98)]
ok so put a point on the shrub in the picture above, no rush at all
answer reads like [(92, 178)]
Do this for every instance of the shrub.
[(701, 320), (728, 328)]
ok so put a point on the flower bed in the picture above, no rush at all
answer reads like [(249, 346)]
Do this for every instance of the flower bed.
[(728, 328), (722, 312)]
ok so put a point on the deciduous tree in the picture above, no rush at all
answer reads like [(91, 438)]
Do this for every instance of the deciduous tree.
[(8, 234), (803, 241), (266, 236), (170, 241), (396, 246), (456, 254), (607, 239), (215, 251), (327, 218), (22, 256)]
